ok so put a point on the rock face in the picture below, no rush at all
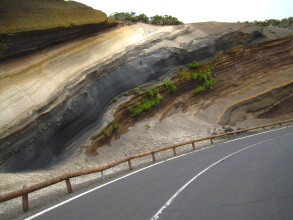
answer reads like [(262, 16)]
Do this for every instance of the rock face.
[(50, 97), (35, 15), (29, 25)]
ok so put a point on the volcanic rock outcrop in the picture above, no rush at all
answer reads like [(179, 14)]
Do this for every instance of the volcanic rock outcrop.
[(33, 24), (51, 96)]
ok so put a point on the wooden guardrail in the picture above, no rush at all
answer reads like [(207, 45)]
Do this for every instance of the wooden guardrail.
[(66, 177)]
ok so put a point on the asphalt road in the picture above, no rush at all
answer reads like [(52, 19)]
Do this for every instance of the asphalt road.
[(250, 178)]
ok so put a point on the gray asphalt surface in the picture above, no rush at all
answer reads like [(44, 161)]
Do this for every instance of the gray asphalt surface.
[(254, 183)]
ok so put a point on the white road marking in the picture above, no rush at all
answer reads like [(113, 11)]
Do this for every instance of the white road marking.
[(172, 158), (156, 216)]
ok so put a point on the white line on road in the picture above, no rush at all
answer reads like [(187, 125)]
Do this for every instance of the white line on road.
[(172, 158), (156, 216)]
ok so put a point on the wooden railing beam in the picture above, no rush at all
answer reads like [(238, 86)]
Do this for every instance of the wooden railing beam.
[(26, 190)]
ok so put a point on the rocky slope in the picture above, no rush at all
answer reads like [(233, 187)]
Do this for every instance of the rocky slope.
[(53, 96)]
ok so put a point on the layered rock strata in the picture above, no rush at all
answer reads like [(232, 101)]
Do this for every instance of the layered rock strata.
[(252, 83), (26, 26), (51, 97)]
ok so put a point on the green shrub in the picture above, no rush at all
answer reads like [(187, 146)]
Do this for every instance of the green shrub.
[(148, 126), (186, 76), (116, 126), (151, 93), (194, 75), (158, 99), (147, 105), (202, 76), (137, 90), (170, 86), (193, 65), (136, 111), (115, 99), (199, 89), (107, 132), (131, 17), (182, 68), (126, 93), (164, 20), (209, 83), (156, 92)]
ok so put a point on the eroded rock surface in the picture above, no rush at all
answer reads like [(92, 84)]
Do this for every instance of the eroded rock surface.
[(27, 26), (51, 97)]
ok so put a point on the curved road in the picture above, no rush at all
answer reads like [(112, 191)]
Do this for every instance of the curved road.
[(248, 178)]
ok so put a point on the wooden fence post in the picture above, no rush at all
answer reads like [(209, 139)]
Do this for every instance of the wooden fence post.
[(263, 128), (193, 146), (154, 158), (25, 205), (229, 136), (103, 176), (212, 142), (174, 151), (68, 184), (129, 164)]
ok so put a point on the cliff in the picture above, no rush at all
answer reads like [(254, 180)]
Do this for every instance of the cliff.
[(53, 95)]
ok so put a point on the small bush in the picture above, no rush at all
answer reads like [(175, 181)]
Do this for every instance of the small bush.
[(115, 99), (193, 65), (199, 89), (116, 126), (107, 132), (158, 99), (194, 75), (148, 126), (137, 109), (170, 86), (151, 93), (137, 90), (209, 83), (186, 76), (156, 92), (202, 76), (148, 105), (220, 53), (182, 68), (126, 93)]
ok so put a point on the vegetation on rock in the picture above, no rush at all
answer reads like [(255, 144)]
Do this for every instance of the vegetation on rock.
[(148, 126), (131, 17), (145, 104), (200, 71), (283, 23), (137, 90), (170, 86)]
